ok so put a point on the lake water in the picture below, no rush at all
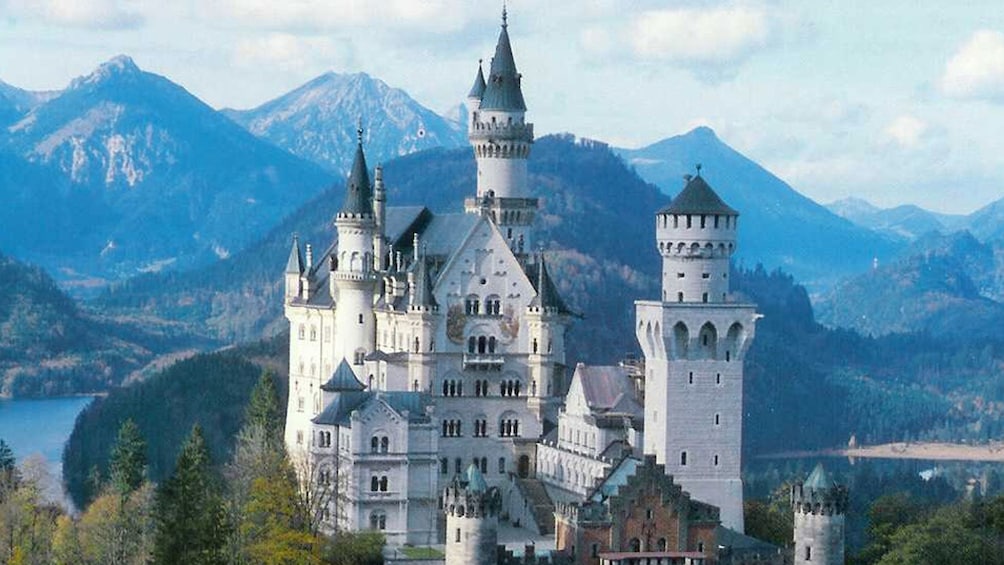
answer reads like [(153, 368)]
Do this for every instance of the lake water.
[(40, 426)]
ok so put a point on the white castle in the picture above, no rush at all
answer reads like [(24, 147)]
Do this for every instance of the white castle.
[(424, 344)]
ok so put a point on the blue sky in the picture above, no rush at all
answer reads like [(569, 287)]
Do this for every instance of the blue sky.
[(892, 101)]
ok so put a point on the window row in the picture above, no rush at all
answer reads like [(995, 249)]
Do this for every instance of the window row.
[(458, 465), (704, 220), (718, 378), (492, 306), (379, 444), (683, 459), (481, 344), (378, 483), (302, 333), (455, 387), (508, 427)]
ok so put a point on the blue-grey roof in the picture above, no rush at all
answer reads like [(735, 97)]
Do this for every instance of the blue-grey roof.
[(502, 90), (403, 219), (547, 294), (343, 379), (443, 235), (358, 190), (338, 412), (697, 197), (478, 89), (474, 479), (294, 265), (614, 480), (819, 479), (410, 402)]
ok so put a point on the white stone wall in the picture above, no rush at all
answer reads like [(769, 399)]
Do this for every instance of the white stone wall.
[(478, 540), (819, 538), (569, 471), (695, 256)]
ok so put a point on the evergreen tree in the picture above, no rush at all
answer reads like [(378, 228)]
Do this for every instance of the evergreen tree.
[(263, 407), (127, 467), (189, 514)]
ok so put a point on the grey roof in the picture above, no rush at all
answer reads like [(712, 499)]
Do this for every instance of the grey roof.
[(358, 190), (421, 294), (444, 233), (343, 379), (294, 265), (502, 90), (608, 389), (474, 479), (547, 294), (410, 403), (819, 479), (697, 197), (403, 219), (341, 408), (741, 542), (339, 411), (478, 89)]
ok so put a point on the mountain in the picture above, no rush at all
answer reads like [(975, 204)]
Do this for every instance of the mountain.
[(154, 178), (946, 285), (596, 220), (906, 222), (50, 346), (317, 121), (987, 223), (19, 101), (780, 227)]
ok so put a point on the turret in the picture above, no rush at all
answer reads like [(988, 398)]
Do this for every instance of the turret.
[(475, 94), (501, 138), (353, 277), (380, 217), (547, 317), (472, 515), (696, 235), (294, 271), (820, 507)]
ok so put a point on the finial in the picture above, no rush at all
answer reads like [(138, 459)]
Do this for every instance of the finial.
[(698, 169), (359, 129), (505, 15)]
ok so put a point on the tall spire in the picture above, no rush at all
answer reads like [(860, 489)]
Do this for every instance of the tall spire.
[(294, 265), (358, 190), (478, 89), (502, 91)]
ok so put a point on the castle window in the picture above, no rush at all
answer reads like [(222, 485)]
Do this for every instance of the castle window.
[(374, 483), (472, 344), (705, 275), (383, 483), (327, 335), (661, 544), (533, 345), (482, 344), (457, 537), (716, 221), (374, 444), (301, 333), (718, 378), (299, 437), (595, 550), (704, 297), (472, 306), (313, 333), (716, 460), (501, 465), (700, 547), (299, 404), (728, 356), (690, 379), (676, 221), (359, 357), (458, 466), (702, 221), (384, 444), (688, 222), (493, 306), (635, 543), (416, 345), (808, 553), (444, 466), (491, 344), (717, 419), (679, 297), (681, 275), (484, 465), (360, 319), (683, 458), (378, 520), (648, 513)]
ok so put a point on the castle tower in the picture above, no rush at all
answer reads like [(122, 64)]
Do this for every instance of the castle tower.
[(353, 278), (423, 315), (820, 506), (547, 318), (472, 519), (501, 138), (694, 340), (294, 271)]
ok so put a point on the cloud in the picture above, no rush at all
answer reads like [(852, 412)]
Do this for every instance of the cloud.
[(286, 52), (976, 70), (906, 131), (91, 14), (719, 36)]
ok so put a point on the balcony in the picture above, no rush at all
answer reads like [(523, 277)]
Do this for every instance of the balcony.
[(483, 361)]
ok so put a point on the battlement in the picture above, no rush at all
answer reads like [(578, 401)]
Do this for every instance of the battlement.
[(507, 131), (809, 500), (463, 500)]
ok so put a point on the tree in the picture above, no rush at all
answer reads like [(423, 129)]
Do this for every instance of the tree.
[(275, 525), (355, 548), (263, 407), (942, 538), (127, 467), (116, 528), (189, 514)]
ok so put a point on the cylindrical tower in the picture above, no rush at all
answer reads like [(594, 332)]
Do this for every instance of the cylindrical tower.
[(380, 217), (696, 235), (472, 517), (353, 278), (820, 506)]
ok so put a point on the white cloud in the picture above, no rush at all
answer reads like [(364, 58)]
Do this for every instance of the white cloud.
[(714, 36), (906, 131), (976, 70), (93, 14), (286, 52)]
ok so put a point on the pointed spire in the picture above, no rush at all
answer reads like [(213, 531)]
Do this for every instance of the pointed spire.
[(475, 480), (697, 197), (421, 291), (294, 265), (358, 190), (819, 479), (343, 380), (502, 91), (478, 89), (547, 295)]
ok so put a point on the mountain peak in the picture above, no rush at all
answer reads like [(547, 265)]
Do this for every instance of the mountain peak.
[(702, 132), (120, 65)]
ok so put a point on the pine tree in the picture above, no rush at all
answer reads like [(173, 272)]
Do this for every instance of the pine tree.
[(263, 407), (189, 512), (127, 467)]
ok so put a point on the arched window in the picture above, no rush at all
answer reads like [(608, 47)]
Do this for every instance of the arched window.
[(491, 344), (472, 344), (482, 343), (384, 444), (302, 332), (635, 543), (360, 356), (444, 465), (374, 483), (661, 544), (313, 333), (683, 458), (383, 483), (374, 443)]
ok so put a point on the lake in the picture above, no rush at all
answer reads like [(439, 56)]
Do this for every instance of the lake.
[(40, 426)]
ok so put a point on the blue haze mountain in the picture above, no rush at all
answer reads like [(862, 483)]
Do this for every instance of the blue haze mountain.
[(780, 226), (317, 121), (906, 222), (164, 180)]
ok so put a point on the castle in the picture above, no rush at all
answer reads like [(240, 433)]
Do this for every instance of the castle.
[(428, 386)]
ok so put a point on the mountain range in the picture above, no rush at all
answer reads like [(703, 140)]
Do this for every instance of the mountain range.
[(317, 121), (779, 226)]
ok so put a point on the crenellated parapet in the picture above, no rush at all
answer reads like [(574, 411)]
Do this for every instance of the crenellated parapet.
[(830, 501)]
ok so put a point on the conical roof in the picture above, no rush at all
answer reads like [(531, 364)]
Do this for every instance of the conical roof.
[(547, 294), (819, 479), (478, 89), (697, 197), (474, 479), (344, 379), (422, 292), (502, 90), (294, 265), (358, 190)]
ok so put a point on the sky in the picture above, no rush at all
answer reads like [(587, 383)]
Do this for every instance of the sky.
[(899, 101)]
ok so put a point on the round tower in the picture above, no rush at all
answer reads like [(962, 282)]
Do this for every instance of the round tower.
[(472, 518), (820, 506), (696, 235), (353, 278)]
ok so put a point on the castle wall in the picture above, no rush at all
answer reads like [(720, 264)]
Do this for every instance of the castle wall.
[(819, 538)]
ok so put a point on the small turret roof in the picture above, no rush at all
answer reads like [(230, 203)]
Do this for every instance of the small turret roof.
[(478, 89), (697, 197), (344, 379), (502, 91), (358, 190), (547, 293), (294, 265), (819, 479), (475, 480), (423, 295)]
